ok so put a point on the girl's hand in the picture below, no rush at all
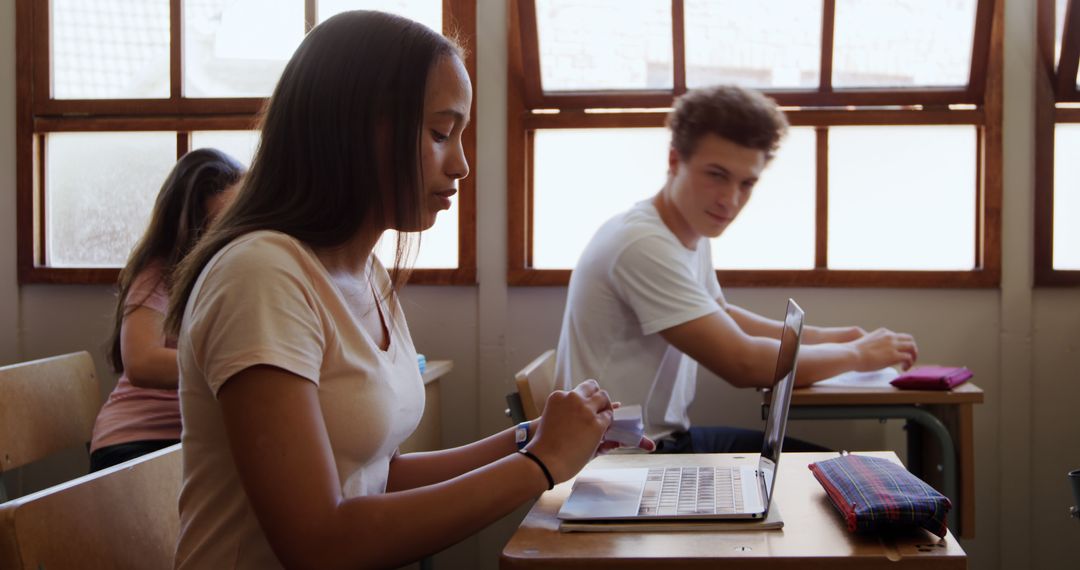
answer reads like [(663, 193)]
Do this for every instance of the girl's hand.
[(606, 446), (571, 427)]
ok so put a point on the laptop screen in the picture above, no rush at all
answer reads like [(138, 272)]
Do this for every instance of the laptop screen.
[(783, 383)]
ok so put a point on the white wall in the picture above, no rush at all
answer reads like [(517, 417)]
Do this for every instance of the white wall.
[(1023, 344)]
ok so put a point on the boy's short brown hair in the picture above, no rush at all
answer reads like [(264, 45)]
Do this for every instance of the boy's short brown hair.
[(742, 116)]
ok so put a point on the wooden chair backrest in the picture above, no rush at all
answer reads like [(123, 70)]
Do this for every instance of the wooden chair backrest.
[(46, 405), (122, 517), (535, 382)]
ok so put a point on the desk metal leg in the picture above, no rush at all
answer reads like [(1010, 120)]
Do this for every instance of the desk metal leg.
[(918, 416), (914, 446)]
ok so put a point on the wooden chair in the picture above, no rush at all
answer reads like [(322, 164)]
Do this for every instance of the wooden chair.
[(45, 406), (534, 383), (122, 517)]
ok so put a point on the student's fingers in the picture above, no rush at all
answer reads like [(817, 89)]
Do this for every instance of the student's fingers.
[(604, 419), (906, 355), (907, 347), (587, 388), (914, 349), (599, 401), (606, 446)]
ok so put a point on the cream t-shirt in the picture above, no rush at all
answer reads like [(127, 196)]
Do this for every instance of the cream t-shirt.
[(266, 299)]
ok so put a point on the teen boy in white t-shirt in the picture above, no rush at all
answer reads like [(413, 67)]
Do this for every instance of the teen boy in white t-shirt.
[(644, 295)]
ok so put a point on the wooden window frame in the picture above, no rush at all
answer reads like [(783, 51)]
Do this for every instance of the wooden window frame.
[(1054, 83), (37, 113), (978, 104)]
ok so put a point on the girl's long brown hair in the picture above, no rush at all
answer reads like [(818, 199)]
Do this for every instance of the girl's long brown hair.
[(177, 221), (340, 142)]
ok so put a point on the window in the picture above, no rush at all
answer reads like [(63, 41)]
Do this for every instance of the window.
[(111, 92), (1057, 144), (891, 172)]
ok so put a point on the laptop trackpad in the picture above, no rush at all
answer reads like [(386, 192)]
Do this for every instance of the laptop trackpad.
[(605, 494)]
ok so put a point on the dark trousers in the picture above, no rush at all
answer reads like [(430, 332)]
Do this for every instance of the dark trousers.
[(121, 452), (719, 439)]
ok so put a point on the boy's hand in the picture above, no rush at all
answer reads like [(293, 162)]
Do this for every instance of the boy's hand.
[(883, 348)]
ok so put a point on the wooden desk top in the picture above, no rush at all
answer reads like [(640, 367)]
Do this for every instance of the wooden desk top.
[(814, 535), (966, 393), (435, 369)]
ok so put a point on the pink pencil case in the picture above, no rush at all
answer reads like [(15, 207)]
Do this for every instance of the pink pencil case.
[(932, 378)]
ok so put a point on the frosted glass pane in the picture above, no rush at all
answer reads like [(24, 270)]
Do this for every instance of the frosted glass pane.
[(1067, 197), (438, 245), (238, 48), (99, 190), (109, 49), (775, 230), (763, 44), (902, 198), (240, 145), (427, 12), (582, 178), (604, 44), (903, 43)]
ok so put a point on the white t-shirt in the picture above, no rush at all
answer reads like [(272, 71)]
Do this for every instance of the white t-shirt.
[(635, 279), (266, 299)]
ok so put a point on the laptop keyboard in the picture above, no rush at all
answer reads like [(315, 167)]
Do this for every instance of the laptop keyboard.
[(691, 491)]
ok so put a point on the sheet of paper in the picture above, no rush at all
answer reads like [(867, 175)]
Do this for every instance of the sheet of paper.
[(627, 427), (874, 379)]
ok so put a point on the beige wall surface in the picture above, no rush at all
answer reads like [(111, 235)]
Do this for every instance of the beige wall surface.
[(9, 290), (1022, 343)]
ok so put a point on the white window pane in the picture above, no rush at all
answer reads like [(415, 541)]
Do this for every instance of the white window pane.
[(775, 230), (583, 177), (427, 12), (903, 43), (902, 198), (109, 49), (238, 48), (240, 145), (99, 191), (1067, 197), (604, 44), (1059, 27), (438, 245), (775, 44)]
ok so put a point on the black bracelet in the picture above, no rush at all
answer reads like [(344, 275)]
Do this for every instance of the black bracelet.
[(531, 455)]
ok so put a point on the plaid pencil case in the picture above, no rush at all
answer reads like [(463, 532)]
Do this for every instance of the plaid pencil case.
[(873, 494), (932, 378)]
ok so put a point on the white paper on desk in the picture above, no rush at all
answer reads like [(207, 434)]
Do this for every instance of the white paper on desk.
[(873, 379)]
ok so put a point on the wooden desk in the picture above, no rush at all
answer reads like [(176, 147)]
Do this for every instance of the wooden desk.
[(944, 419), (814, 535), (428, 435)]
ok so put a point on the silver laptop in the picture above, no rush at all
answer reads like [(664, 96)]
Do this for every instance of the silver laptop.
[(696, 493)]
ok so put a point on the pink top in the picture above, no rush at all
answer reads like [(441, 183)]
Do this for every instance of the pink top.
[(132, 413)]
